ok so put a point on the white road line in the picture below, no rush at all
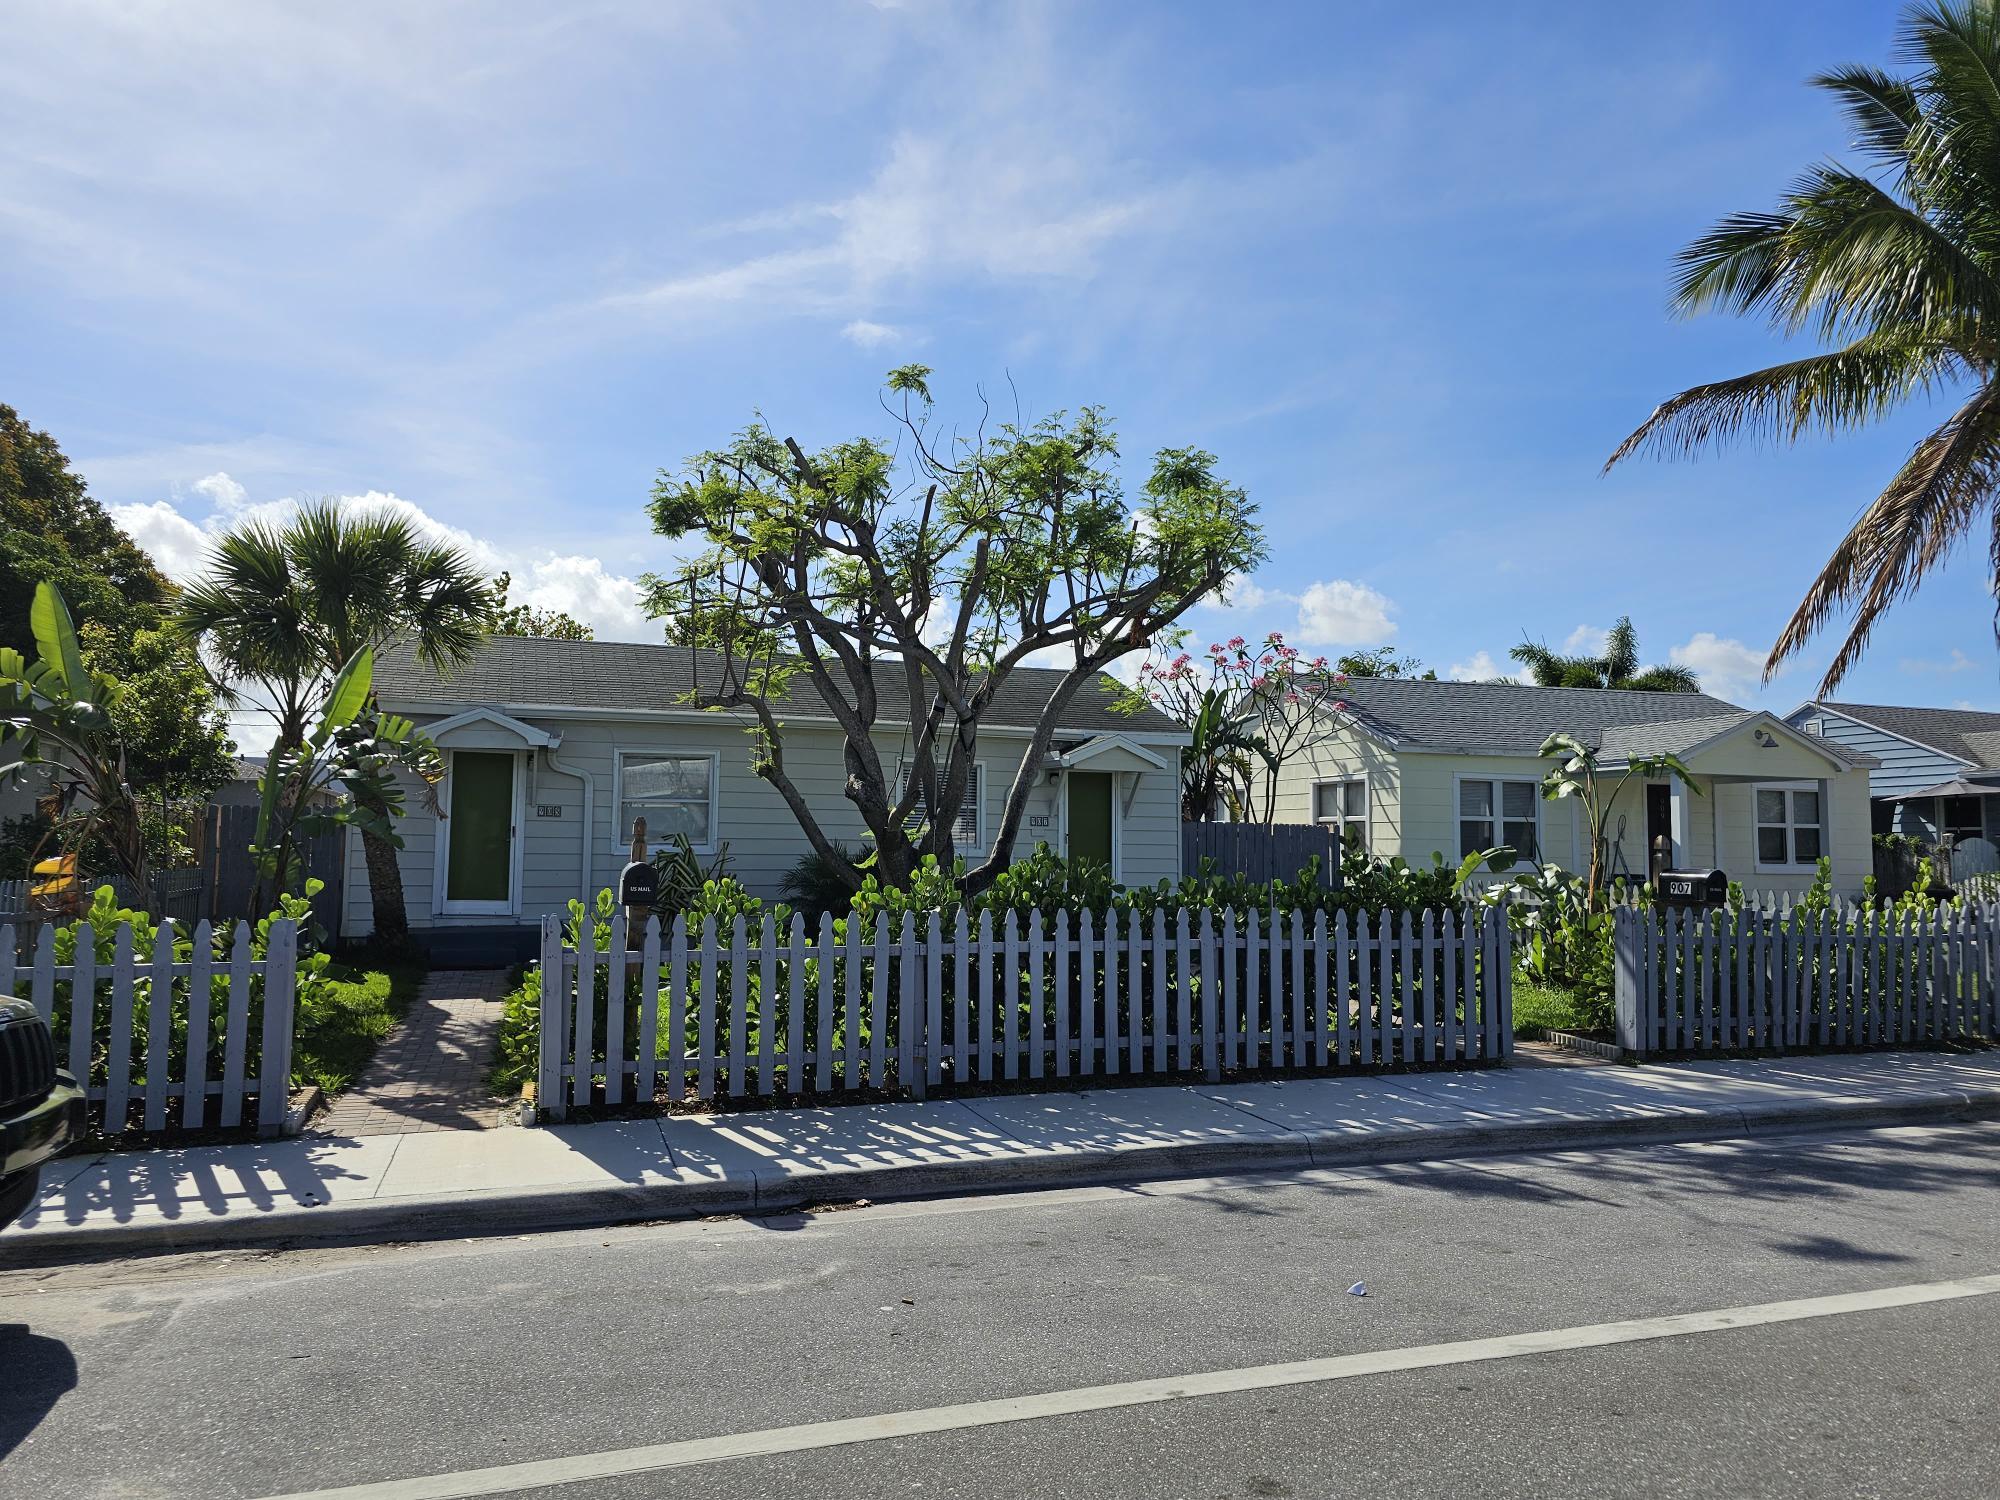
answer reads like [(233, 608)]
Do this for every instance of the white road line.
[(511, 1478)]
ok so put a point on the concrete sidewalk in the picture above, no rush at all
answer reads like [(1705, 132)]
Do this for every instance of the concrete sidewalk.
[(486, 1181)]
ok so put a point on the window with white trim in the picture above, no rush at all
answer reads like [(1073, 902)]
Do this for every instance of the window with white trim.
[(1495, 812), (1343, 805), (1791, 826), (675, 794), (968, 830)]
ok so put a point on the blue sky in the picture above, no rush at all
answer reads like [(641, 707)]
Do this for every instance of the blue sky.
[(1404, 269)]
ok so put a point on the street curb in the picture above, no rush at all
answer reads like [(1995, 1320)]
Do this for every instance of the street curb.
[(568, 1206)]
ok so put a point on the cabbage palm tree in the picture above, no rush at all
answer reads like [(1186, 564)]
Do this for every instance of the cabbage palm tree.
[(1618, 667), (1897, 267), (289, 606)]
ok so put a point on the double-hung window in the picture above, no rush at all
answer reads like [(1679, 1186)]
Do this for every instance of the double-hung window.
[(1791, 827), (1497, 812), (674, 793), (968, 829), (1343, 805)]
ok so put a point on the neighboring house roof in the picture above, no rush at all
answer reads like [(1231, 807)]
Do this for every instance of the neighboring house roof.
[(1683, 737), (525, 672), (1512, 718), (1961, 733)]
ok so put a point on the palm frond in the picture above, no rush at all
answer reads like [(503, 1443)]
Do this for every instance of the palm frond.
[(1621, 650), (1904, 535), (1663, 680), (1735, 267), (1845, 388), (1882, 107)]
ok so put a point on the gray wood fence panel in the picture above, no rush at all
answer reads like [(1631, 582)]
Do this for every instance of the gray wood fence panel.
[(1260, 854), (1761, 981)]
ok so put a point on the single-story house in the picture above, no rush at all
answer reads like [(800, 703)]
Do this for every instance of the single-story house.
[(1934, 765), (1453, 767), (553, 748)]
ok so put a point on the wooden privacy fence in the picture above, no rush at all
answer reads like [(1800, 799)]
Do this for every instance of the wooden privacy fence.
[(1259, 853), (178, 1031), (769, 1011), (1769, 980)]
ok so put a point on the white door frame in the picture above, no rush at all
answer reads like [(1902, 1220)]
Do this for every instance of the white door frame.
[(441, 876)]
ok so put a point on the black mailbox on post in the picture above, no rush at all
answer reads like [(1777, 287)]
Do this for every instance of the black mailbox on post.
[(1691, 888), (638, 884)]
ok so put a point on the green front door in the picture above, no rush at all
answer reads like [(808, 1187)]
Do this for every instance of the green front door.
[(479, 854), (1090, 815)]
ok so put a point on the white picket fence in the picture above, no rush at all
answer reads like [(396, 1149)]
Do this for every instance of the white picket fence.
[(765, 1011), (1768, 979), (175, 1057)]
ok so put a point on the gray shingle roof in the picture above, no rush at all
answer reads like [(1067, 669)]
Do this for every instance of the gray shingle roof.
[(1513, 719), (1674, 737), (1971, 736), (522, 671)]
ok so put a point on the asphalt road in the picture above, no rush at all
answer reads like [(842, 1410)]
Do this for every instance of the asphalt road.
[(278, 1373)]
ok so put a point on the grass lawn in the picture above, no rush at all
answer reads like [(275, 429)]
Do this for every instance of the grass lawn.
[(340, 1025), (1541, 1008)]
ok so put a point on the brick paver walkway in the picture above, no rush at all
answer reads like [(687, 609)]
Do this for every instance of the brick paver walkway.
[(430, 1072)]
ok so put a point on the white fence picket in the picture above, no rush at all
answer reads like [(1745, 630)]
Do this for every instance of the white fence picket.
[(159, 1025), (614, 1008), (823, 1038), (238, 1024), (82, 993), (194, 1072), (1037, 992), (933, 1039), (1089, 964), (647, 1081), (739, 1007), (584, 1053)]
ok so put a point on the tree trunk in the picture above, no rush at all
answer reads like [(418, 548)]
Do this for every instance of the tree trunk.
[(385, 890)]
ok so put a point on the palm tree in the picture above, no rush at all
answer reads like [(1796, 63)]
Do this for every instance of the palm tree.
[(1618, 667), (287, 606), (1899, 267)]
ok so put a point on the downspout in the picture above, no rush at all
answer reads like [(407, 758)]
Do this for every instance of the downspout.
[(589, 813)]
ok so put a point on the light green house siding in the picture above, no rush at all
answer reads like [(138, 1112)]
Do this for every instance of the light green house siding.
[(763, 837), (1413, 806)]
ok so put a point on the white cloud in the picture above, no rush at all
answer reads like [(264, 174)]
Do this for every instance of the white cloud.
[(866, 335), (1342, 613), (1585, 640), (1958, 661), (1332, 612), (581, 586), (174, 542), (224, 492), (1027, 176), (1725, 666), (1239, 592), (1480, 667)]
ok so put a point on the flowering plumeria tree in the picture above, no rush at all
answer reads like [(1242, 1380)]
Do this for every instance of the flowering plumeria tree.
[(1250, 708)]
